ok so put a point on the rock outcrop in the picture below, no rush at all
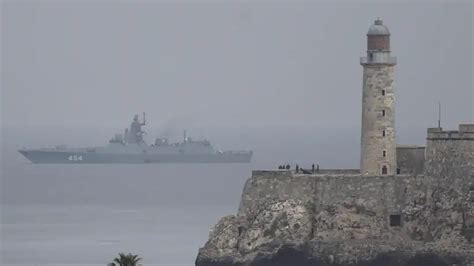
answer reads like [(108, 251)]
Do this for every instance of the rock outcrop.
[(343, 218), (349, 229)]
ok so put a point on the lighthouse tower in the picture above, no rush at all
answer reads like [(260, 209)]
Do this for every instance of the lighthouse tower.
[(378, 147)]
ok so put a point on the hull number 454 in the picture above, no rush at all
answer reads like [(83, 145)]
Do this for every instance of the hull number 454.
[(75, 158)]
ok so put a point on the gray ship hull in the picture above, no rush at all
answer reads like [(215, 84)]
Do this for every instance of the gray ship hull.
[(84, 157), (132, 148)]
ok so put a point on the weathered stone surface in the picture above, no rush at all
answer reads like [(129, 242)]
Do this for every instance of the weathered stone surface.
[(223, 240), (341, 221), (349, 220), (286, 221), (410, 160), (293, 219), (378, 146)]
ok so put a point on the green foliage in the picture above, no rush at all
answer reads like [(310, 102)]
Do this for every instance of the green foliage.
[(126, 260)]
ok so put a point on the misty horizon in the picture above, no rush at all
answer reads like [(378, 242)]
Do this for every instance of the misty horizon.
[(282, 79), (229, 64)]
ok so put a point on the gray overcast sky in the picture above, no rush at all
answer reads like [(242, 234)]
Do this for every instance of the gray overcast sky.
[(91, 63)]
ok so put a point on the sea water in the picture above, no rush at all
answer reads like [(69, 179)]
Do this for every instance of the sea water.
[(87, 214)]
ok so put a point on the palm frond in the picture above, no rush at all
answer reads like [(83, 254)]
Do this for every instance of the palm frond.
[(127, 259)]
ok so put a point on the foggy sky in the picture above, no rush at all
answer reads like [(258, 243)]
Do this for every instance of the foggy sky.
[(233, 64)]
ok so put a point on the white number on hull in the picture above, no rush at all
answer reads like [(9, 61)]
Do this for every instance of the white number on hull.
[(75, 158)]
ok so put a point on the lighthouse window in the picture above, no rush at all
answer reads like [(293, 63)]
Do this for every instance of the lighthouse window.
[(383, 133), (384, 170), (370, 56), (383, 112), (384, 153), (383, 92)]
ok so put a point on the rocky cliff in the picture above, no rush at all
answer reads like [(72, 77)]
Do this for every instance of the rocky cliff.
[(343, 218), (290, 219)]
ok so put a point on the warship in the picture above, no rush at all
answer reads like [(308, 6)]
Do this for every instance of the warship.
[(131, 147)]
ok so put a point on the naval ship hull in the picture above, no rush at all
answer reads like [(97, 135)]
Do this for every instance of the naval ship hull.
[(74, 157)]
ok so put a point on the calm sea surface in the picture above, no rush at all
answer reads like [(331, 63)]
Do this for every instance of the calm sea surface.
[(86, 214)]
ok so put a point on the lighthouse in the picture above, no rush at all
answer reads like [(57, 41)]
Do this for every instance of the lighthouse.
[(378, 146)]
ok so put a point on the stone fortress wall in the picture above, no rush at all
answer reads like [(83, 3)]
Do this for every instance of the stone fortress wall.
[(450, 161), (394, 200), (410, 159), (450, 154), (382, 196), (341, 217)]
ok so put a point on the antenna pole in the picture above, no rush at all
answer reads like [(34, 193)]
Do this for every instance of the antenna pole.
[(439, 114)]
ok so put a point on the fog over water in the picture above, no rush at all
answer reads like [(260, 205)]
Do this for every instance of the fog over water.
[(282, 79), (54, 214)]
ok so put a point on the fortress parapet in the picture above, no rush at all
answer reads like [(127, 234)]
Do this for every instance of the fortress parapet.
[(272, 173), (465, 132), (291, 173), (450, 156)]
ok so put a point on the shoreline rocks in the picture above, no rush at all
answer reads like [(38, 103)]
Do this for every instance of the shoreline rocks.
[(325, 226)]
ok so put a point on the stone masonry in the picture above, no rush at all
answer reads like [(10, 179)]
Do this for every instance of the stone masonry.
[(410, 159), (378, 146), (406, 206), (355, 219)]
